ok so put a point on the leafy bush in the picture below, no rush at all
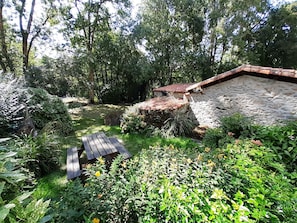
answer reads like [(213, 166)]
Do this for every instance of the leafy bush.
[(282, 140), (165, 124), (45, 108), (180, 123), (13, 100), (17, 102), (236, 184), (12, 175), (132, 121), (39, 154), (16, 203), (237, 124), (213, 137)]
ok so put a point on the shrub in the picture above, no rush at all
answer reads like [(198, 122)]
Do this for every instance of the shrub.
[(16, 203), (282, 140), (113, 118), (39, 154), (237, 124), (12, 175), (132, 121), (213, 137), (18, 102), (181, 123), (235, 184), (13, 100), (45, 108)]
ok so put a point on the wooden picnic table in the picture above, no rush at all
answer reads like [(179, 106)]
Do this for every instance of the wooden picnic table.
[(95, 145)]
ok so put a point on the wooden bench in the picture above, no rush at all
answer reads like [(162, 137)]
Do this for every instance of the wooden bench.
[(73, 165)]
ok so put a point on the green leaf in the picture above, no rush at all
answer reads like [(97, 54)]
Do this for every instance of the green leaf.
[(3, 213), (46, 218)]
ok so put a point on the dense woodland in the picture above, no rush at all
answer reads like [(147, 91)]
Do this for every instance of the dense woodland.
[(110, 56)]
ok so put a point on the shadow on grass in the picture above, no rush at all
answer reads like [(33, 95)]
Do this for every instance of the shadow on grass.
[(50, 186)]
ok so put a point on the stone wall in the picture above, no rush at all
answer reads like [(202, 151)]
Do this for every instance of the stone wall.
[(265, 100)]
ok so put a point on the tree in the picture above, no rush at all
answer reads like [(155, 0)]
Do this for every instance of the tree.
[(30, 27), (5, 58), (122, 72), (275, 41), (85, 21), (229, 25), (171, 32)]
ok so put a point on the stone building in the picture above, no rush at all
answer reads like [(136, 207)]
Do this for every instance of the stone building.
[(267, 95)]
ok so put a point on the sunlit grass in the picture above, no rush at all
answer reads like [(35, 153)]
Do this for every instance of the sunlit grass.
[(50, 186)]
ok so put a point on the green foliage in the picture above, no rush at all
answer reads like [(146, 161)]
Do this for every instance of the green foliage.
[(132, 121), (12, 175), (236, 124), (212, 137), (275, 39), (15, 202), (14, 97), (233, 184), (72, 206), (19, 103), (180, 123), (267, 192), (45, 108), (39, 154), (282, 140), (29, 210)]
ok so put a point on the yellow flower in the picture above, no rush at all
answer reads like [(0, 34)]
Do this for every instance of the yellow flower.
[(207, 149), (101, 160), (96, 220), (171, 146), (199, 157), (124, 165), (189, 161), (221, 156), (97, 174), (211, 163)]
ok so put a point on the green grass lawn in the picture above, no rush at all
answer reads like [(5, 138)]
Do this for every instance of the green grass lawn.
[(88, 120)]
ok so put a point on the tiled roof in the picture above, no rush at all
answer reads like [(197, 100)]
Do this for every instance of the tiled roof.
[(162, 103), (288, 75), (176, 88)]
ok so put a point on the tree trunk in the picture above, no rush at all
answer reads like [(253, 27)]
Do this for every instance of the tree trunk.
[(91, 84), (25, 52), (5, 54)]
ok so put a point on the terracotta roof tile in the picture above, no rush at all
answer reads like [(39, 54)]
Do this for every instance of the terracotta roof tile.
[(288, 75), (162, 103)]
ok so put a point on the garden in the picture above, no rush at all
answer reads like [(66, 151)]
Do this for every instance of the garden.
[(238, 172)]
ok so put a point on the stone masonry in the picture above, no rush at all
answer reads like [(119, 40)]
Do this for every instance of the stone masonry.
[(266, 101)]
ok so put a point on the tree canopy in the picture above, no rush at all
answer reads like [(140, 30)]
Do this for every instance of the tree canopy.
[(112, 56)]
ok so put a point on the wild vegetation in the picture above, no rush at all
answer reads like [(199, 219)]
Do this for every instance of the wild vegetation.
[(105, 45), (238, 173), (243, 179), (248, 175)]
